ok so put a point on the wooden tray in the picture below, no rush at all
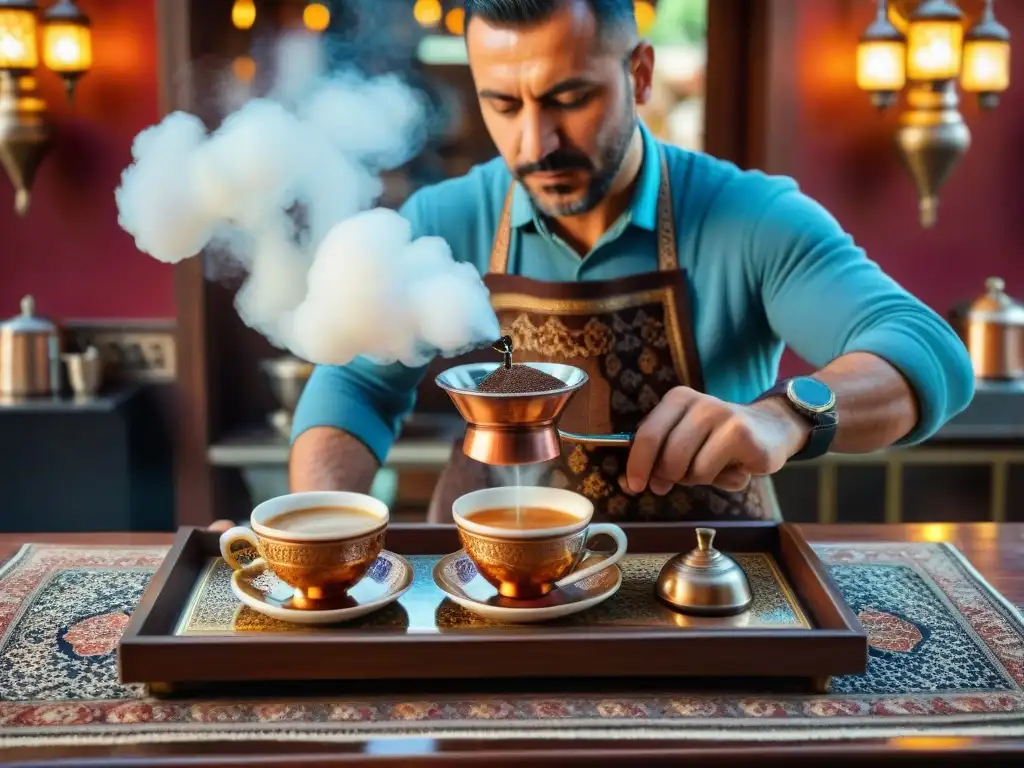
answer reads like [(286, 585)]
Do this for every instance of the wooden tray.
[(809, 634)]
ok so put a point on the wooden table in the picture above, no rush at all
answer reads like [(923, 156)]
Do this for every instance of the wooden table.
[(997, 551)]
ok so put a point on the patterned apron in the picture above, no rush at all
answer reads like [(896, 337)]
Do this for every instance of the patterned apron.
[(634, 339)]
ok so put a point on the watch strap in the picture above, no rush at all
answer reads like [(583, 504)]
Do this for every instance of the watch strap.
[(820, 439)]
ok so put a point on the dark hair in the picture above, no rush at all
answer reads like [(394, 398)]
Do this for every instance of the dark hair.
[(613, 16)]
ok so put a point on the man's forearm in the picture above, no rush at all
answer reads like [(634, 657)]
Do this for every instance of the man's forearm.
[(328, 459), (876, 405)]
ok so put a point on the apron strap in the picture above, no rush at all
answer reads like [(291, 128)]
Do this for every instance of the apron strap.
[(503, 238), (668, 258)]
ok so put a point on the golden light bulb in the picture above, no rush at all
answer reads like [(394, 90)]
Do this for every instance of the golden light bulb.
[(934, 50), (67, 48), (455, 21), (427, 13), (986, 67), (244, 69), (18, 39), (935, 38), (881, 65), (243, 14), (316, 17)]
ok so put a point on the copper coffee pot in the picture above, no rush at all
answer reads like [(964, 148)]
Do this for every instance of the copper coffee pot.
[(992, 328), (517, 428)]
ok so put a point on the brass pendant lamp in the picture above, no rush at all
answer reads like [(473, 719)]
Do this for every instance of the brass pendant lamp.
[(920, 46), (25, 133)]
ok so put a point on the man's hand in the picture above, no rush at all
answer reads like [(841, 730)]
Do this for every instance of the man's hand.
[(695, 439)]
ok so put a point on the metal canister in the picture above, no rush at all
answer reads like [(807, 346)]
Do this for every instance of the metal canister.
[(29, 354), (992, 327)]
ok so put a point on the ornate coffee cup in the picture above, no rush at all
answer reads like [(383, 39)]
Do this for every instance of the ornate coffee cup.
[(528, 562), (321, 543)]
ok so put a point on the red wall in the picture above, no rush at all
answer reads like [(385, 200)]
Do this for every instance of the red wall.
[(843, 155), (69, 251)]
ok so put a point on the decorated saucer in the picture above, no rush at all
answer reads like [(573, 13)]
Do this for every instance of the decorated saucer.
[(259, 588), (456, 575)]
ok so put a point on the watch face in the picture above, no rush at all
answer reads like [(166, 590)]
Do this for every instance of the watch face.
[(811, 394)]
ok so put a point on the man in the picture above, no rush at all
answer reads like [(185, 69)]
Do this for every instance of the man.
[(673, 278)]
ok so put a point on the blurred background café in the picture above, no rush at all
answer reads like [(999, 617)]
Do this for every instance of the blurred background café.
[(134, 398)]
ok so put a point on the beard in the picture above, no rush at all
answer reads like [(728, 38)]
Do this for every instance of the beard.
[(613, 144)]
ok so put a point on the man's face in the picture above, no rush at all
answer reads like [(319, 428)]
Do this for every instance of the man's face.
[(559, 104)]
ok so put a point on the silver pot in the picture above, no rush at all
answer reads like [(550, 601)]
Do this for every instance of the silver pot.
[(29, 354), (287, 376), (992, 328)]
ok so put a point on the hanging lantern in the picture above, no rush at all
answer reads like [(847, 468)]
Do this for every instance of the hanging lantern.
[(986, 65), (67, 43), (881, 60), (924, 53), (18, 52), (934, 41)]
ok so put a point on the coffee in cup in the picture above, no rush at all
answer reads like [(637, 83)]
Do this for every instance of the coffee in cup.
[(527, 541), (321, 543)]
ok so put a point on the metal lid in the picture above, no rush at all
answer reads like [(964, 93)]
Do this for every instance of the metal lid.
[(28, 321), (995, 306), (704, 580), (705, 558)]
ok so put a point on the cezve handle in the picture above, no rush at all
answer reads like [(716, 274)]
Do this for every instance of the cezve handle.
[(616, 438)]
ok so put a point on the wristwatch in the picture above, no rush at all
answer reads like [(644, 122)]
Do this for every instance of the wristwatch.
[(817, 403)]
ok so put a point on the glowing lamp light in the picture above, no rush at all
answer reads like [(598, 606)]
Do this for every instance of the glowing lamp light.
[(934, 41), (428, 13), (243, 14), (455, 21), (316, 17), (881, 60), (18, 36), (67, 48), (244, 69), (67, 43), (986, 64), (645, 15)]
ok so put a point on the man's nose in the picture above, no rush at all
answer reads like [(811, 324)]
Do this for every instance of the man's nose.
[(539, 136)]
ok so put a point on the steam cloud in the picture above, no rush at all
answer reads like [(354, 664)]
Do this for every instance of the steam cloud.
[(282, 189)]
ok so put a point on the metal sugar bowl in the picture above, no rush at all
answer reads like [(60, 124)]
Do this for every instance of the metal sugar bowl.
[(29, 354), (704, 581)]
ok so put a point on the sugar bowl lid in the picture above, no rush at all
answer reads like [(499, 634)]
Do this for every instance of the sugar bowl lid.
[(704, 581)]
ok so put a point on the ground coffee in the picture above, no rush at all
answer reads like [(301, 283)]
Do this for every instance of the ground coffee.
[(519, 379)]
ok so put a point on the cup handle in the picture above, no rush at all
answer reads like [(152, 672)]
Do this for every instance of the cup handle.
[(610, 529), (232, 535)]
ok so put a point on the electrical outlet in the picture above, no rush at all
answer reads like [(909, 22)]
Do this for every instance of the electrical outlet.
[(134, 354)]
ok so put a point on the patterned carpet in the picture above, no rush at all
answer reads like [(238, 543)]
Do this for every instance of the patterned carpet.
[(946, 658)]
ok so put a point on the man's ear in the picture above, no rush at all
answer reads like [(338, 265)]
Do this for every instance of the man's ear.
[(641, 69)]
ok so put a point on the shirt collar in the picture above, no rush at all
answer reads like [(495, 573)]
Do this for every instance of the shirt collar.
[(642, 211)]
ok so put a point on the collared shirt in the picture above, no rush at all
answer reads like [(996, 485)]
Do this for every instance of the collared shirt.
[(767, 265)]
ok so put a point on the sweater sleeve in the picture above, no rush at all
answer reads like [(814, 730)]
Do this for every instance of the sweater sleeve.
[(367, 400), (825, 298)]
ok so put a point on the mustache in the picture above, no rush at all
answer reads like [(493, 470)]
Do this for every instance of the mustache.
[(559, 160)]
